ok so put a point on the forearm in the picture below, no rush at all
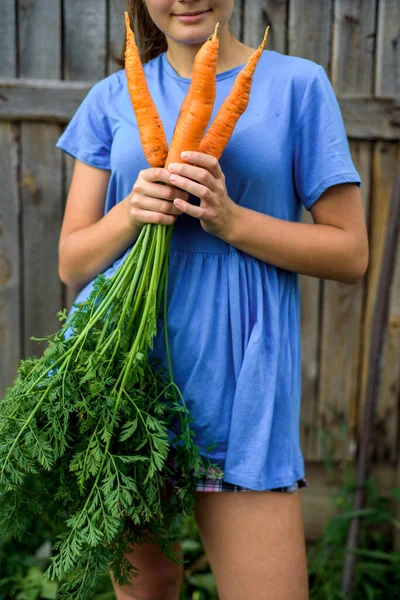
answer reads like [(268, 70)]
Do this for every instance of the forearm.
[(317, 250), (89, 251)]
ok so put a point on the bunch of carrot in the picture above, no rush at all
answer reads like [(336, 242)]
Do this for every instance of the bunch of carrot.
[(84, 428)]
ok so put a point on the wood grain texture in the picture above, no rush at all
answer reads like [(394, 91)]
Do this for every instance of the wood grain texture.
[(40, 99), (41, 176), (39, 37), (351, 75), (341, 349), (116, 33), (257, 15), (85, 39), (310, 289), (354, 47), (10, 292), (310, 30), (85, 59), (384, 166), (388, 49), (8, 62)]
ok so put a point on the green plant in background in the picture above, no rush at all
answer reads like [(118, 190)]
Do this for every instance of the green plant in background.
[(377, 574)]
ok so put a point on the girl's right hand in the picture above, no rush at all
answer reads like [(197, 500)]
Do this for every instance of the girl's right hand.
[(151, 201)]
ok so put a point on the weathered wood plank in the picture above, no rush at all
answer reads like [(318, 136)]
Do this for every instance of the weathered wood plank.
[(85, 39), (116, 32), (388, 49), (309, 34), (85, 50), (341, 346), (41, 176), (10, 293), (351, 75), (386, 430), (40, 100), (257, 15), (384, 167), (310, 29), (10, 306), (7, 39), (396, 511), (39, 38), (42, 201), (353, 47), (56, 101), (310, 288), (370, 119)]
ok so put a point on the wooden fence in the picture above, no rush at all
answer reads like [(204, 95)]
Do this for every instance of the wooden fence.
[(52, 51)]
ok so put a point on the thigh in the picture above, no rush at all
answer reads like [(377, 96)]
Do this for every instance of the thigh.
[(255, 544), (159, 578)]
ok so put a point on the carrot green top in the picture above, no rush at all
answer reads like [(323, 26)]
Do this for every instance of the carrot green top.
[(234, 321)]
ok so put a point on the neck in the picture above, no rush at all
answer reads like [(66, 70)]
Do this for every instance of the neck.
[(230, 54)]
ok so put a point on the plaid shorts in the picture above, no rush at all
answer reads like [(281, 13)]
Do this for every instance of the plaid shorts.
[(212, 481)]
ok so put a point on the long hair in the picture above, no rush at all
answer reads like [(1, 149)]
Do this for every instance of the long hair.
[(150, 40)]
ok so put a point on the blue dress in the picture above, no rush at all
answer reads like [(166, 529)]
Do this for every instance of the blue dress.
[(233, 320)]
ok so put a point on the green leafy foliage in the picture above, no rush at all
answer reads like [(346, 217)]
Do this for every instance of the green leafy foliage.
[(84, 431), (377, 574)]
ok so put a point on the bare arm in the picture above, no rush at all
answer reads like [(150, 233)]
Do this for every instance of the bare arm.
[(91, 241), (334, 247)]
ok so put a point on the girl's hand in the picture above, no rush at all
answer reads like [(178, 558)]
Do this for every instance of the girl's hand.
[(204, 178), (152, 202)]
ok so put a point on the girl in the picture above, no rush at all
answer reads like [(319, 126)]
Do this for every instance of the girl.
[(233, 302)]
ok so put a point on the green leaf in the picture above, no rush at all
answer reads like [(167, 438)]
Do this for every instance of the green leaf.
[(128, 430)]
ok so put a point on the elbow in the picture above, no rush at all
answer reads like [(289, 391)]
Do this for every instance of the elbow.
[(359, 267), (64, 274)]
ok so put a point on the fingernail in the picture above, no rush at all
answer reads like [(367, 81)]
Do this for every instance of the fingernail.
[(184, 154), (172, 178), (171, 167), (177, 202)]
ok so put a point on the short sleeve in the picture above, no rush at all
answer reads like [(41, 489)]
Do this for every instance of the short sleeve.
[(88, 136), (322, 155)]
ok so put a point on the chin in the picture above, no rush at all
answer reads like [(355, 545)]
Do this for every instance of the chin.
[(191, 34)]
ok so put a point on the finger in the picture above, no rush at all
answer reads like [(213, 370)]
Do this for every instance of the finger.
[(157, 218), (198, 174), (156, 190), (203, 160), (198, 212), (190, 186), (154, 205)]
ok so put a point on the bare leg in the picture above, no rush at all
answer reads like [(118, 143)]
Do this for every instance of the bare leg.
[(158, 579), (255, 544)]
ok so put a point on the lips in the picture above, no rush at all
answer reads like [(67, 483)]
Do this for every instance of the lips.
[(192, 14)]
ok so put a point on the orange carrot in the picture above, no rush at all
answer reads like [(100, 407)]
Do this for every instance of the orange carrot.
[(150, 127), (232, 108), (191, 127), (184, 106)]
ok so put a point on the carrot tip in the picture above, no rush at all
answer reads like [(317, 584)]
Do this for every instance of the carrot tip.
[(265, 38), (214, 35)]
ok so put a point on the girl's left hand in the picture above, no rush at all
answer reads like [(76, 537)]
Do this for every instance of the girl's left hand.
[(201, 175)]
